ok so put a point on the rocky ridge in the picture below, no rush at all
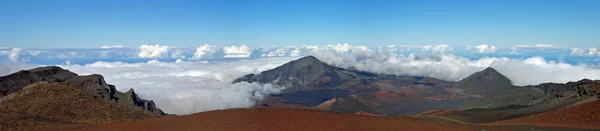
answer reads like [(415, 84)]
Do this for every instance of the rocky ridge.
[(92, 84)]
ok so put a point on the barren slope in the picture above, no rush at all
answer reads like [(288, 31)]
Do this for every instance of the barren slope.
[(585, 115), (297, 119), (279, 119), (45, 104)]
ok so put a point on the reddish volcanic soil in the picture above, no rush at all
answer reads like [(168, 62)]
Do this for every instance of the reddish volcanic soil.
[(586, 115), (277, 119), (298, 119)]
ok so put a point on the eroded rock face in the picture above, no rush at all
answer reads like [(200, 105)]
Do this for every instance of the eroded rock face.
[(92, 84), (132, 99)]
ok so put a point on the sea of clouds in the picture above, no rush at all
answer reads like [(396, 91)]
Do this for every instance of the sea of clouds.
[(189, 80), (188, 87)]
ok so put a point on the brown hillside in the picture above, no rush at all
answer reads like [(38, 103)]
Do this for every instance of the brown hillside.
[(45, 104), (278, 119), (586, 115)]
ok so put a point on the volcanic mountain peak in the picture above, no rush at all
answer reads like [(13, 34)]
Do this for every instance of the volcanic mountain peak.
[(309, 59), (486, 82), (492, 71), (305, 72), (306, 62)]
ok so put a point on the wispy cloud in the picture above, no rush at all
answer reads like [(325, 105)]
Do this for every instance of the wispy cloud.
[(110, 46)]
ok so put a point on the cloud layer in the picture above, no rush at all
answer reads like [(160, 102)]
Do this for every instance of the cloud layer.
[(188, 87)]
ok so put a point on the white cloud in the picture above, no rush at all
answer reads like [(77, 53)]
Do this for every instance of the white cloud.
[(241, 51), (438, 48), (14, 54), (545, 46), (33, 52), (406, 48), (177, 53), (295, 52), (342, 48), (152, 51), (513, 50), (392, 48), (577, 51), (69, 55), (278, 52), (205, 51), (582, 52), (537, 46), (111, 46), (593, 51), (483, 48), (360, 48)]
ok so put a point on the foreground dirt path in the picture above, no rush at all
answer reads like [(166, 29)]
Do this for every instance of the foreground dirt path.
[(290, 119)]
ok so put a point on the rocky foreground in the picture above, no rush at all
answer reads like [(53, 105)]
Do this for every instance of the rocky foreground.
[(91, 84)]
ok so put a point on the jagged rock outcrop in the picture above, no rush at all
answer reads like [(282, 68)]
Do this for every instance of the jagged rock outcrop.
[(132, 99), (306, 72), (92, 84)]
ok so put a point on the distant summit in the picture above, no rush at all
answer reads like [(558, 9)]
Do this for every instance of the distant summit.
[(306, 72), (92, 84), (486, 82)]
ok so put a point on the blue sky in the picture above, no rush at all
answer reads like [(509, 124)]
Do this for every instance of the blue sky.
[(91, 24)]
